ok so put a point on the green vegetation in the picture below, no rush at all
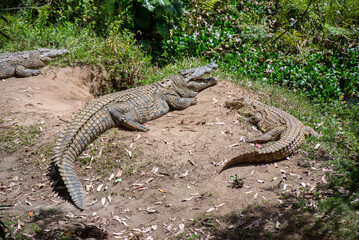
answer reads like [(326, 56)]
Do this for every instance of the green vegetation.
[(305, 51), (241, 37), (11, 139), (308, 46), (118, 61), (236, 182)]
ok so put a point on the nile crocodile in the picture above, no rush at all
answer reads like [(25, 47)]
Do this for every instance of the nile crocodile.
[(129, 108), (276, 125), (25, 63)]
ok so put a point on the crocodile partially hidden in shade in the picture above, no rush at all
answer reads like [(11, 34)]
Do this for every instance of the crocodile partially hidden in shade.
[(129, 108), (287, 131), (26, 63)]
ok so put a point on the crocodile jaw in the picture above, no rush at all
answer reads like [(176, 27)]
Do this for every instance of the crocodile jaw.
[(193, 77), (201, 83)]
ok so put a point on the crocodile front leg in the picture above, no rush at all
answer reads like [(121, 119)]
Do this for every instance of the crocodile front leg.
[(126, 116), (179, 103), (310, 131), (21, 71), (7, 71)]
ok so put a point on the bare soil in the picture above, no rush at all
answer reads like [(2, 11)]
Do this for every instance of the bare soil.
[(160, 184)]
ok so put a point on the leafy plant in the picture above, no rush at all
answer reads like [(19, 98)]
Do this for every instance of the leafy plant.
[(237, 182), (236, 35), (117, 60)]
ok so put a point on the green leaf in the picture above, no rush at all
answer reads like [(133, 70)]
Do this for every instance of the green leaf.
[(209, 4), (144, 19), (110, 6), (338, 31), (162, 29), (175, 8), (148, 5)]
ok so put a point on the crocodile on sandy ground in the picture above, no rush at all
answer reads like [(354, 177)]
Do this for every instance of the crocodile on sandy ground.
[(26, 63), (129, 108), (287, 131)]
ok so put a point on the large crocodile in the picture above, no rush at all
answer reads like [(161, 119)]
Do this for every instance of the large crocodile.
[(26, 63), (129, 108), (276, 125)]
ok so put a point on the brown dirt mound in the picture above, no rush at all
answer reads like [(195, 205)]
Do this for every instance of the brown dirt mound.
[(162, 179)]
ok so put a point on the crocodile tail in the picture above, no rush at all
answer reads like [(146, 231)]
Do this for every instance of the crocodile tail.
[(72, 182), (276, 152), (264, 155), (64, 164), (245, 157), (92, 121)]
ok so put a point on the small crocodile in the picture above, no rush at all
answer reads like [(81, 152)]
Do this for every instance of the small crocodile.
[(288, 132), (129, 108), (26, 63)]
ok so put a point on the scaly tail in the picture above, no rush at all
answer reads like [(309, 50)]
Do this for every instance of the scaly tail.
[(93, 120), (245, 157), (278, 151), (65, 165)]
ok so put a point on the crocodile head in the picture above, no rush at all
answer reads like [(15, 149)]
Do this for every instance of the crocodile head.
[(47, 54), (195, 81), (245, 105), (236, 103)]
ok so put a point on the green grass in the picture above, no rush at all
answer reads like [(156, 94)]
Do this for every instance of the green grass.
[(20, 136), (117, 60)]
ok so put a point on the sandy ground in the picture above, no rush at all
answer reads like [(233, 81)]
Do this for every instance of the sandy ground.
[(151, 185)]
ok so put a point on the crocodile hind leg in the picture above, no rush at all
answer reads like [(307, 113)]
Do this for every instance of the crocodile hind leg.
[(126, 116), (21, 71)]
